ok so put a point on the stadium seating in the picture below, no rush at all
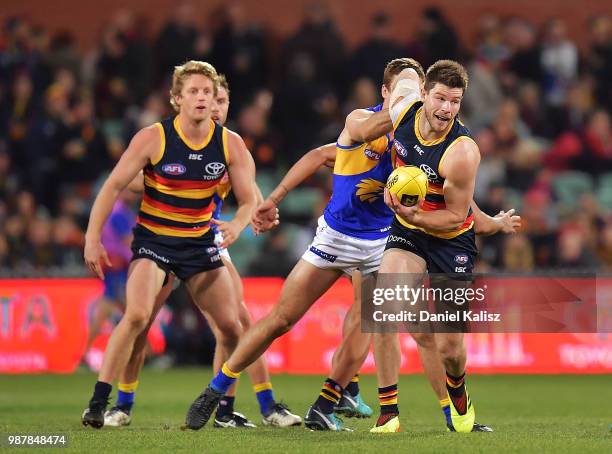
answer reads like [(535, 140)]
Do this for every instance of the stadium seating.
[(570, 186)]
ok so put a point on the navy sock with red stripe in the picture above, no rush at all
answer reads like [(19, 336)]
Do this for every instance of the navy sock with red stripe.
[(456, 392), (329, 396)]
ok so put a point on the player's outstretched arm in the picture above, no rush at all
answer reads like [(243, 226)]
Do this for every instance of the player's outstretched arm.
[(459, 170), (504, 221), (308, 164), (364, 126), (242, 180), (144, 147)]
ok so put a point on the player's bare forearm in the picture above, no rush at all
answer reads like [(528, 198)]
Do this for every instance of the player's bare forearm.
[(258, 195), (253, 171), (242, 178), (460, 178), (303, 169), (242, 218), (362, 128), (502, 222), (484, 224), (101, 209)]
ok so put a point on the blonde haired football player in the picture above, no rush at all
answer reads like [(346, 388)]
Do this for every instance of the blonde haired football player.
[(183, 159)]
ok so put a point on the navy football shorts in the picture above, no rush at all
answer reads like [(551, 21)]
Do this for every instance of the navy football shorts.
[(185, 257), (454, 256)]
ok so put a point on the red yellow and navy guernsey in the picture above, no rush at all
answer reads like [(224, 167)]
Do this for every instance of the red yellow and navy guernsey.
[(410, 149), (183, 182)]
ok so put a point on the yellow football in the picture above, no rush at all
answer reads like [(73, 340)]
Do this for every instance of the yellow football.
[(409, 184)]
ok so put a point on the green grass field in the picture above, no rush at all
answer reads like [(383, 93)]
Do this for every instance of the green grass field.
[(528, 413)]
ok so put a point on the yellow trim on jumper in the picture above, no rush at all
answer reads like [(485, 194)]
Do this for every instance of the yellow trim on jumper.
[(442, 235), (162, 147), (224, 139), (417, 133), (355, 161), (183, 193), (146, 208), (194, 147), (169, 231), (449, 147)]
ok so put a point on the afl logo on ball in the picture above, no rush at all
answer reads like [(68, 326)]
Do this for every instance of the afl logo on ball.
[(174, 169)]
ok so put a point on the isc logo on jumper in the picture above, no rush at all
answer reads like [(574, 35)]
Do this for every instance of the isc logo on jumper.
[(196, 156), (174, 169)]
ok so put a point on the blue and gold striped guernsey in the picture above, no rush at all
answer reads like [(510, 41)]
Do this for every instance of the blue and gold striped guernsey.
[(356, 207), (184, 182)]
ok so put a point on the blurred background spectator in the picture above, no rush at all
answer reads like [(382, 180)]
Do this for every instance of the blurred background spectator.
[(538, 105)]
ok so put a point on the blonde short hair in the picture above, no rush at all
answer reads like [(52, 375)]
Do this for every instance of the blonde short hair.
[(187, 69)]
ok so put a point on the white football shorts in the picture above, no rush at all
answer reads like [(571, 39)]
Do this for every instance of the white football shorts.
[(222, 251), (331, 249)]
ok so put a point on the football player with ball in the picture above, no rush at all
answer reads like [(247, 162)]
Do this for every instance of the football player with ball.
[(351, 236), (437, 235)]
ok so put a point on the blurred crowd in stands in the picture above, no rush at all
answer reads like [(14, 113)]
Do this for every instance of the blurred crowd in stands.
[(538, 106)]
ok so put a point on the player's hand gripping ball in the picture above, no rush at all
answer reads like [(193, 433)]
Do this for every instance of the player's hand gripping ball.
[(409, 184)]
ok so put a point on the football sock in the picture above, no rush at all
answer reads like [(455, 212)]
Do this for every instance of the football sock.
[(224, 379), (328, 397), (353, 386), (265, 397), (445, 406), (387, 397), (456, 392), (102, 390), (226, 406), (126, 395)]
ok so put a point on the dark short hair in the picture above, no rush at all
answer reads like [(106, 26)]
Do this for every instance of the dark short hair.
[(222, 81), (446, 72), (397, 65)]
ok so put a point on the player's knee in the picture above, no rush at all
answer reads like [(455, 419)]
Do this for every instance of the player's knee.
[(229, 332), (137, 319), (245, 318), (424, 340), (450, 350)]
